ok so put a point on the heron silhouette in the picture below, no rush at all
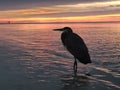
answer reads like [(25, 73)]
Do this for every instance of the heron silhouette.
[(75, 45)]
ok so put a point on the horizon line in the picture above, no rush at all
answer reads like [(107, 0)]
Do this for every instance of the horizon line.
[(10, 22)]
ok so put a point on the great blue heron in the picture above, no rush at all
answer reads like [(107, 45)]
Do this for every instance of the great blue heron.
[(75, 45)]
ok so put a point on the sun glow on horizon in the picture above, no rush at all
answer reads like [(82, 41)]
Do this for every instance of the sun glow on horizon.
[(95, 18)]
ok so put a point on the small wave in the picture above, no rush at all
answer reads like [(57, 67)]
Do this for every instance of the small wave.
[(82, 81), (108, 83), (104, 70), (56, 53)]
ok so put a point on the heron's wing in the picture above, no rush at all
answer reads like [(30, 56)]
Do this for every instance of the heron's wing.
[(76, 46), (63, 38)]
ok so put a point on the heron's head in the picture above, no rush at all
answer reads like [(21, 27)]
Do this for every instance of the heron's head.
[(65, 29)]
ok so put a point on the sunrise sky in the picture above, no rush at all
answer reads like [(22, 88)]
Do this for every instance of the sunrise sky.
[(59, 10)]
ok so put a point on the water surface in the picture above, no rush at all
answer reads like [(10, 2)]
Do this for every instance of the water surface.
[(32, 57)]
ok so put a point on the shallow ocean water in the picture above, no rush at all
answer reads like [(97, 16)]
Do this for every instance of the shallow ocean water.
[(32, 57)]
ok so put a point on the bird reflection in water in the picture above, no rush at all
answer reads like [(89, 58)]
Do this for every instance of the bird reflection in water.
[(75, 81)]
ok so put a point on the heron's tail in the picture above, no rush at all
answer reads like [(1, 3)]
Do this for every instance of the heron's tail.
[(85, 60)]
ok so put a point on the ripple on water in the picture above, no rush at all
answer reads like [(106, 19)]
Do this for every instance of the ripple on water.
[(33, 58)]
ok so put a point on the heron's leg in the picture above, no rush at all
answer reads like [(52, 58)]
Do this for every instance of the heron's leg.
[(75, 66)]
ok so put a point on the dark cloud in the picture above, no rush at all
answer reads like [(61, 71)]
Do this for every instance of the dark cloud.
[(22, 4)]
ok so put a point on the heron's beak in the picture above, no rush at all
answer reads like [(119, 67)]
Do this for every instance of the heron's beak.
[(60, 29)]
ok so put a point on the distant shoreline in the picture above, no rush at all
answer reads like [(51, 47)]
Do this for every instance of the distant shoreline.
[(61, 22)]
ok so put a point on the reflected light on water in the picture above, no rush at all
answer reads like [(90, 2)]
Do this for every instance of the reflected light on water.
[(34, 54)]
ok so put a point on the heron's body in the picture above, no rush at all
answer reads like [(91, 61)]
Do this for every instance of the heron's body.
[(75, 45)]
